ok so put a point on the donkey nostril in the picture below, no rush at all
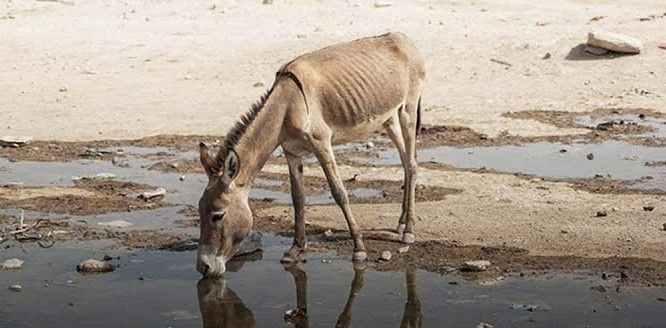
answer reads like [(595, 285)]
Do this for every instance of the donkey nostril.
[(206, 268)]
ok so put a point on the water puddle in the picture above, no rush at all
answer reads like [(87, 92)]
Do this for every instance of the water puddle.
[(616, 159), (320, 293)]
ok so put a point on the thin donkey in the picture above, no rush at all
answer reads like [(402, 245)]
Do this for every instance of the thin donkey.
[(328, 97)]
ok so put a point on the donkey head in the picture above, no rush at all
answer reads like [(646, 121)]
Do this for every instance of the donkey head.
[(224, 213)]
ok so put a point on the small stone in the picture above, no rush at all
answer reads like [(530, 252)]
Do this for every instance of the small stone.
[(664, 226), (182, 178), (107, 258), (662, 45), (15, 288), (153, 194), (63, 88), (648, 208), (383, 4), (326, 261), (590, 156), (614, 209), (475, 266), (546, 56), (403, 249), (328, 233), (602, 214), (596, 50), (259, 84), (370, 145), (268, 2), (484, 325), (386, 256), (564, 231), (614, 42), (91, 265), (11, 264), (173, 165)]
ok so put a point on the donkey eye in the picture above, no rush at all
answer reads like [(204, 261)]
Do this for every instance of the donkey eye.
[(218, 216)]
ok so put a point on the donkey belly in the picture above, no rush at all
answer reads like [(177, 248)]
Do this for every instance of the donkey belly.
[(345, 133)]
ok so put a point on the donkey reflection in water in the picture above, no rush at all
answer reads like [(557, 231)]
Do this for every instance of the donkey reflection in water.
[(328, 97)]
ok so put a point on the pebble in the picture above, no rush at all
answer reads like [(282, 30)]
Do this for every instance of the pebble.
[(664, 226), (92, 265), (182, 178), (63, 88), (648, 208), (383, 4), (11, 264), (475, 266), (614, 41), (328, 233), (484, 325), (590, 156), (602, 214), (15, 288), (403, 249), (386, 256), (173, 165), (370, 145), (152, 194), (662, 45)]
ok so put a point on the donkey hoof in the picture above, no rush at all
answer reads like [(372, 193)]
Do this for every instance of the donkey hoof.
[(286, 259), (408, 238), (360, 256), (401, 228)]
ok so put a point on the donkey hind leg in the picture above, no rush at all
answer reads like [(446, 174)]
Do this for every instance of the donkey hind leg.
[(408, 117), (394, 132), (321, 147), (299, 245)]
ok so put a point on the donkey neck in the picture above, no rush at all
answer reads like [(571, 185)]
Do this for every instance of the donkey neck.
[(264, 134)]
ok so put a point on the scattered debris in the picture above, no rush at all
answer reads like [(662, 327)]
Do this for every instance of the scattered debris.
[(648, 208), (15, 288), (92, 265), (14, 141), (383, 4), (590, 156), (475, 266), (614, 42), (115, 224), (159, 192), (403, 249), (655, 163), (386, 256), (501, 62), (602, 214), (11, 264), (525, 307)]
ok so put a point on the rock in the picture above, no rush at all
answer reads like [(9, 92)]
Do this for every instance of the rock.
[(484, 325), (326, 261), (250, 244), (383, 4), (11, 264), (173, 165), (107, 258), (63, 88), (268, 2), (386, 256), (15, 288), (14, 141), (590, 156), (525, 307), (475, 266), (546, 56), (662, 45), (601, 214), (370, 145), (91, 265), (403, 249), (259, 84), (182, 178), (159, 192), (115, 224), (664, 226), (596, 50), (328, 233), (648, 208), (614, 42)]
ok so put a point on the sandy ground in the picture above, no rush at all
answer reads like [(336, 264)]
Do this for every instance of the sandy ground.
[(89, 70)]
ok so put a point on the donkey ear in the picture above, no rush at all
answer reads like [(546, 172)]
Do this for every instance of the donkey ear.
[(206, 160), (231, 167)]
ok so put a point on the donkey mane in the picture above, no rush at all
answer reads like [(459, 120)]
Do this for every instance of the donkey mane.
[(238, 130)]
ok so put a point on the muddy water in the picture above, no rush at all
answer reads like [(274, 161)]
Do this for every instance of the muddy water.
[(159, 289)]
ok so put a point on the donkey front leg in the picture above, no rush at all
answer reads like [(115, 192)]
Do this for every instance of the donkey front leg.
[(299, 245), (324, 153)]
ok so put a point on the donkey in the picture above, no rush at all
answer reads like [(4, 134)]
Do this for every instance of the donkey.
[(327, 97)]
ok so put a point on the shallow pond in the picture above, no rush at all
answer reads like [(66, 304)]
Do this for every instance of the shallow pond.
[(162, 289)]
